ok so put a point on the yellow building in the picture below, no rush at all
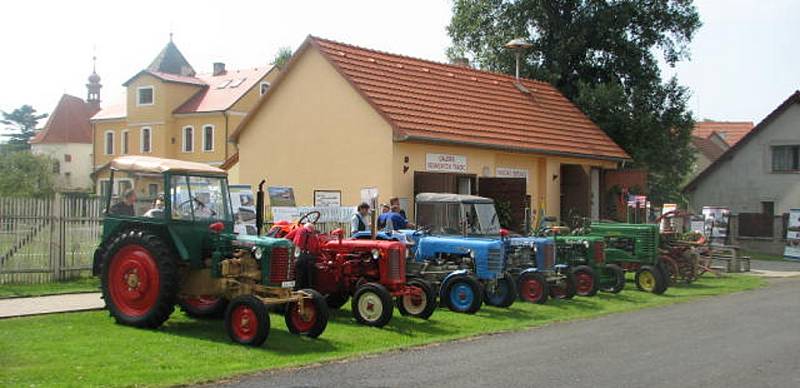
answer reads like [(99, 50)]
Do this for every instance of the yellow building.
[(173, 112), (342, 118)]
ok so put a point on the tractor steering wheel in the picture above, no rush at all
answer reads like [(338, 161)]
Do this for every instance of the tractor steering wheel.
[(306, 217), (186, 210)]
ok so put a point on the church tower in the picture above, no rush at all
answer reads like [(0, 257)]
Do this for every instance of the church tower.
[(93, 87)]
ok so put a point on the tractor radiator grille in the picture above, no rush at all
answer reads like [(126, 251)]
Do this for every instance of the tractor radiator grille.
[(281, 268), (495, 262), (395, 264)]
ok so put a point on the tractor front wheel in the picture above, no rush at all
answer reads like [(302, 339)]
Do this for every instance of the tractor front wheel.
[(310, 322), (418, 306), (617, 274), (565, 288), (204, 307), (651, 279), (533, 287), (585, 280), (503, 293), (372, 305), (247, 320), (463, 294), (139, 279)]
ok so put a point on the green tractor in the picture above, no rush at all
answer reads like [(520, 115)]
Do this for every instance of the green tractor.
[(587, 258), (182, 250), (634, 247)]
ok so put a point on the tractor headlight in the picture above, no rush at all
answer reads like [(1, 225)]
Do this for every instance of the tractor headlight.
[(586, 244), (376, 254), (471, 254), (258, 253), (297, 252)]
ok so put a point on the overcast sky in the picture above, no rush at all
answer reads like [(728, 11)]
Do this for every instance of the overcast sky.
[(745, 59)]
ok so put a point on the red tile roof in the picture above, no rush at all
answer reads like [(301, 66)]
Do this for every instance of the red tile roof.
[(431, 101), (68, 123), (116, 111), (707, 147), (223, 90), (730, 131)]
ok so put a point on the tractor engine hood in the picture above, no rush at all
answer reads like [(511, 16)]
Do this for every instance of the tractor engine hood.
[(457, 245)]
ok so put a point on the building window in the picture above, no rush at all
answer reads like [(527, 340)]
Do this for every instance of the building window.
[(188, 139), (56, 167), (145, 96), (109, 144), (152, 190), (264, 88), (67, 158), (124, 142), (123, 185), (785, 158), (208, 138), (768, 208), (104, 186), (145, 140)]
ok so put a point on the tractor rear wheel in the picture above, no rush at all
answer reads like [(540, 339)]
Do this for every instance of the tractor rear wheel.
[(372, 305), (533, 287), (585, 280), (503, 293), (418, 306), (670, 269), (616, 273), (463, 294), (651, 279), (336, 300), (204, 306), (247, 320), (311, 322), (565, 288), (139, 279)]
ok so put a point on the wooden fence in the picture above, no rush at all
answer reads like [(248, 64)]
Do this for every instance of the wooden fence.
[(43, 240)]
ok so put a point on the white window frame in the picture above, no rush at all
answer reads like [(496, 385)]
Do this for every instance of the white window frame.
[(213, 133), (105, 142), (138, 94), (117, 181), (183, 139), (141, 140), (261, 90), (100, 191), (124, 142)]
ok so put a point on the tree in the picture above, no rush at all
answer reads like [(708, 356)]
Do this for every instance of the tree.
[(22, 122), (603, 56), (282, 57), (23, 174)]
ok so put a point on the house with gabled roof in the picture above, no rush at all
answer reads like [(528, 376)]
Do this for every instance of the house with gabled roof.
[(172, 111), (758, 177), (343, 118)]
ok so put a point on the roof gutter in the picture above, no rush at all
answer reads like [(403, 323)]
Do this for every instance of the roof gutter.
[(516, 149)]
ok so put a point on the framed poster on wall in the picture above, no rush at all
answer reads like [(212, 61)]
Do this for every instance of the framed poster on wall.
[(327, 198), (792, 249)]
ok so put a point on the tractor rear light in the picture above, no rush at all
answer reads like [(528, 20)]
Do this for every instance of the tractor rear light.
[(599, 252), (280, 266)]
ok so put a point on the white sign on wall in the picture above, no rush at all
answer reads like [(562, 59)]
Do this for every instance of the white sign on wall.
[(503, 172), (327, 198), (446, 163)]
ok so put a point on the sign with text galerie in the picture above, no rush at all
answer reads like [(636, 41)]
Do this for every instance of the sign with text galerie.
[(446, 163)]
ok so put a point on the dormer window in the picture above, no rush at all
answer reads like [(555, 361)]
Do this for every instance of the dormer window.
[(145, 96)]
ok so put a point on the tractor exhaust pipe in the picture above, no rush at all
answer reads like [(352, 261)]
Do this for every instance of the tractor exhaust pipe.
[(260, 207)]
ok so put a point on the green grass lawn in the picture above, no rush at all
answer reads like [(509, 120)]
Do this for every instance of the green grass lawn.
[(67, 287), (762, 256), (88, 349)]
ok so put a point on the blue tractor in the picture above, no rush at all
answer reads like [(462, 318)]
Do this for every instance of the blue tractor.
[(457, 248)]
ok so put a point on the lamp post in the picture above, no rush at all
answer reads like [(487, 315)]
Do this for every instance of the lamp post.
[(518, 45)]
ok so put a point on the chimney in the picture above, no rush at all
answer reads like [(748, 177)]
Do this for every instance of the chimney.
[(461, 61), (219, 68)]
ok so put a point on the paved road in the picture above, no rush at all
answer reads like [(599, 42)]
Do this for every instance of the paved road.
[(749, 339), (16, 307)]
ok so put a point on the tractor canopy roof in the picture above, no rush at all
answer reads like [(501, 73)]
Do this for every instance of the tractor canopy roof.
[(149, 164), (451, 198)]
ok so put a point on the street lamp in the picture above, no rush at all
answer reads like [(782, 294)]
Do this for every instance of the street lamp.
[(518, 45)]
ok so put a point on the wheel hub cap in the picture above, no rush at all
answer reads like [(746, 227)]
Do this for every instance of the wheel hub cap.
[(370, 306)]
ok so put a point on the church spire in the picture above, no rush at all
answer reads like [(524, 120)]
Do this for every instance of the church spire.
[(93, 87)]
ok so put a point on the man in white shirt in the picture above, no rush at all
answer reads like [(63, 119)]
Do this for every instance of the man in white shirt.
[(359, 222)]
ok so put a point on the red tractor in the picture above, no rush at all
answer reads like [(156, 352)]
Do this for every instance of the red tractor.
[(372, 272)]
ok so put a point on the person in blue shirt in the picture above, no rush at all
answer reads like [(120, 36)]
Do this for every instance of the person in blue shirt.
[(394, 220)]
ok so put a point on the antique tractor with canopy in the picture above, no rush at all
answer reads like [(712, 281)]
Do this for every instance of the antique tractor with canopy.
[(634, 247), (372, 272), (186, 252)]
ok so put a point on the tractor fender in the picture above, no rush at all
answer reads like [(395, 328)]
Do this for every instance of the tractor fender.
[(451, 276), (529, 270)]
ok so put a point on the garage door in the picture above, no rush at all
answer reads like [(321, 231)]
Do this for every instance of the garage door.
[(507, 192)]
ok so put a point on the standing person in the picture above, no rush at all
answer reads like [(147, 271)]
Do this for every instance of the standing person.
[(395, 203), (359, 222), (125, 206), (393, 220)]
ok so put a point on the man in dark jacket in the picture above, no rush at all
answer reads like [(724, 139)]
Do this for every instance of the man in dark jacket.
[(125, 206)]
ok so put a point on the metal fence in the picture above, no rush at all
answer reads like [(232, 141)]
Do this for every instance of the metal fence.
[(43, 240)]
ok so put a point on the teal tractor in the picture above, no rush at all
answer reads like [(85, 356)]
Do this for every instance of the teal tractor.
[(182, 250)]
